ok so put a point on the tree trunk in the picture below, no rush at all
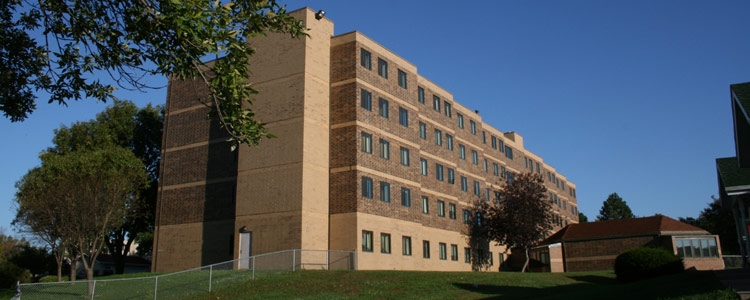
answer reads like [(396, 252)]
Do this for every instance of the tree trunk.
[(59, 271), (73, 269), (90, 278), (526, 263)]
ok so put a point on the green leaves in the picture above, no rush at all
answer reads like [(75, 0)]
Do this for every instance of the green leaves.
[(180, 39)]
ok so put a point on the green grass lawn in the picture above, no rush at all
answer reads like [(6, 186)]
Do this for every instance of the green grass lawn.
[(466, 285), (392, 285)]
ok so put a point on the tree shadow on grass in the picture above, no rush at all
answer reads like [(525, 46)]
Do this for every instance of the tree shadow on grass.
[(602, 287)]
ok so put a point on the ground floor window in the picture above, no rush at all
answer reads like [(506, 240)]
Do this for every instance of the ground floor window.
[(696, 247)]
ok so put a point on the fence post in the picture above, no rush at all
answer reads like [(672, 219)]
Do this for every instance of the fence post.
[(210, 276), (253, 266), (18, 290), (156, 286), (294, 259), (93, 290), (328, 259)]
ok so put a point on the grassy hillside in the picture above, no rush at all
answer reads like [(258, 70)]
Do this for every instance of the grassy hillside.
[(419, 285), (454, 285)]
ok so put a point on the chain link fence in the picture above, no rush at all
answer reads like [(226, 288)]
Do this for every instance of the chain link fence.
[(192, 282)]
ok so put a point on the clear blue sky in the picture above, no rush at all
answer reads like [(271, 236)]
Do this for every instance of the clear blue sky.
[(619, 96)]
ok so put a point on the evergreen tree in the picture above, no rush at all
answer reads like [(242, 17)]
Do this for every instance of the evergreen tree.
[(614, 208)]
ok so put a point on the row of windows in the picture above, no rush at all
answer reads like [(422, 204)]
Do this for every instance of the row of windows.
[(366, 62), (366, 103), (440, 170), (406, 247), (385, 196), (696, 247)]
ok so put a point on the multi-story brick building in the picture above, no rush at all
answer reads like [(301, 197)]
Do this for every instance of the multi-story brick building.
[(370, 157)]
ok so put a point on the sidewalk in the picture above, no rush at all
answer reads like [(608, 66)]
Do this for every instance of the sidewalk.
[(738, 279)]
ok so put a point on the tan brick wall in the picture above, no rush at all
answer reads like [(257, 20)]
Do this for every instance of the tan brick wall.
[(305, 185)]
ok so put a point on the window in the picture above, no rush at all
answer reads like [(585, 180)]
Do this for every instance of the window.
[(452, 211), (451, 176), (510, 176), (494, 142), (383, 107), (382, 68), (426, 249), (476, 188), (449, 142), (365, 59), (405, 197), (406, 246), (495, 169), (508, 152), (454, 252), (439, 172), (467, 255), (366, 241), (366, 100), (420, 94), (500, 145), (367, 187), (423, 166), (460, 120), (402, 79), (461, 151), (403, 117), (484, 138), (464, 184), (443, 251), (487, 194), (366, 143), (474, 157), (473, 127), (385, 192), (422, 131), (385, 243), (436, 103), (486, 166), (441, 208), (695, 247), (502, 172), (466, 216), (438, 137), (538, 170), (447, 106), (425, 205), (404, 156), (385, 149)]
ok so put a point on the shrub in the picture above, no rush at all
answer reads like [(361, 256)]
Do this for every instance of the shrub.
[(644, 262), (10, 274)]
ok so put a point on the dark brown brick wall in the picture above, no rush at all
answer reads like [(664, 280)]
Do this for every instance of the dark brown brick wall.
[(197, 203), (198, 164), (604, 247), (344, 59)]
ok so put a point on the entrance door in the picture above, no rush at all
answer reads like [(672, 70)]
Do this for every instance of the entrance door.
[(246, 249)]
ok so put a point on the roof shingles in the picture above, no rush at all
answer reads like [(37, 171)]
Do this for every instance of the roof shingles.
[(623, 228)]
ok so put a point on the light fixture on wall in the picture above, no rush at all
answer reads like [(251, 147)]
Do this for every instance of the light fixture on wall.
[(243, 229), (320, 14)]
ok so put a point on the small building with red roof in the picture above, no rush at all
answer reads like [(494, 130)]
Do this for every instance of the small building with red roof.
[(594, 246)]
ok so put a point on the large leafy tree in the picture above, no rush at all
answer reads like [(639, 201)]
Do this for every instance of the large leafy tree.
[(89, 190), (42, 215), (63, 47), (521, 218), (138, 129), (614, 208), (718, 220)]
